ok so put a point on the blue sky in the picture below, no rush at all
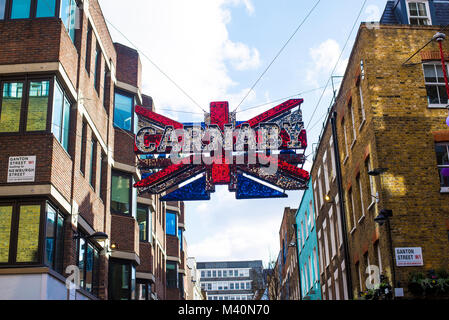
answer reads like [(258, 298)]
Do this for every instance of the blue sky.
[(215, 50)]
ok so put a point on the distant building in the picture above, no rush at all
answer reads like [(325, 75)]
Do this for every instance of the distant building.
[(288, 259), (232, 280), (193, 275)]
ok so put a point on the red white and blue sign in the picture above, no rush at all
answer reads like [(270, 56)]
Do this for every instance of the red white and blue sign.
[(259, 158)]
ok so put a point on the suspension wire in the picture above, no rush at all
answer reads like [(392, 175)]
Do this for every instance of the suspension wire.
[(278, 54), (336, 64)]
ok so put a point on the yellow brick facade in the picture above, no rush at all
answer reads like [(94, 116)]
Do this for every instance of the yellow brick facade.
[(397, 131)]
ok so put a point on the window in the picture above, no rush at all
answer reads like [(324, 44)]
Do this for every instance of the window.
[(143, 220), (237, 286), (333, 163), (89, 265), (181, 239), (122, 280), (306, 283), (22, 225), (442, 151), (97, 70), (332, 232), (315, 264), (143, 290), (172, 274), (378, 256), (320, 188), (103, 176), (106, 88), (351, 210), (38, 106), (326, 173), (68, 16), (418, 13), (54, 239), (435, 85), (312, 215), (88, 48), (231, 286), (306, 225), (11, 106), (354, 133), (225, 273), (219, 273), (370, 184), (45, 8), (83, 148), (20, 9), (214, 273), (203, 274), (93, 158), (344, 281), (326, 244), (121, 193), (209, 274), (359, 273), (359, 185), (302, 233), (311, 272), (346, 148), (2, 9), (362, 115), (123, 111), (61, 116), (171, 226)]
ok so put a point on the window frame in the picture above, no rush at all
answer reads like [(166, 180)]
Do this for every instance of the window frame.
[(147, 210), (33, 10), (88, 242), (58, 213), (128, 175), (446, 144), (435, 64), (133, 115), (14, 231), (428, 16)]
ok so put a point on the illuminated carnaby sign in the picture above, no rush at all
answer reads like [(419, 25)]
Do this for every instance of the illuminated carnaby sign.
[(246, 156)]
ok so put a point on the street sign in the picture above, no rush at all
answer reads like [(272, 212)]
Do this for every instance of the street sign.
[(409, 257), (21, 169)]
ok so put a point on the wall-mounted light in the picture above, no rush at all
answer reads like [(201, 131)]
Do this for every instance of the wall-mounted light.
[(97, 236), (328, 199), (383, 216)]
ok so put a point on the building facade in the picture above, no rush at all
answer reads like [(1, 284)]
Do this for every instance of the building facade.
[(307, 246), (229, 280), (67, 125), (288, 262), (390, 113)]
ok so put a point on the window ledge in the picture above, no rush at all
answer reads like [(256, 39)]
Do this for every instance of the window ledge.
[(371, 205), (437, 106), (353, 230), (444, 190), (353, 143), (346, 159), (362, 124), (362, 218)]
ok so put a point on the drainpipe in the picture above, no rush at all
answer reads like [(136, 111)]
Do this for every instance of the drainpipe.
[(342, 205), (297, 258)]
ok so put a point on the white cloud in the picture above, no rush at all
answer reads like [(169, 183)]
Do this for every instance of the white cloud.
[(244, 240), (324, 58), (190, 42)]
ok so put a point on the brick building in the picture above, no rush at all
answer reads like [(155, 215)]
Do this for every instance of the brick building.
[(67, 127), (390, 113), (288, 262)]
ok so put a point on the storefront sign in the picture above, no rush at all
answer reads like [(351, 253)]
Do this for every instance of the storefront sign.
[(409, 257), (223, 151), (21, 169)]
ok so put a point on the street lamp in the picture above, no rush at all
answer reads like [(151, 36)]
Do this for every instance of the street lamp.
[(98, 236)]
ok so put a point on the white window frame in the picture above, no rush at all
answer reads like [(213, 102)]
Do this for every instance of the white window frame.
[(354, 131), (333, 163), (362, 105), (436, 65), (312, 215), (311, 273), (443, 189), (362, 204), (320, 188), (344, 279), (317, 205), (337, 285), (346, 141), (329, 289), (315, 260), (326, 244), (372, 184), (326, 173), (332, 233), (428, 16)]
